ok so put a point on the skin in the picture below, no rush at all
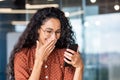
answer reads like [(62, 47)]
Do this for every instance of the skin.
[(45, 46), (75, 61)]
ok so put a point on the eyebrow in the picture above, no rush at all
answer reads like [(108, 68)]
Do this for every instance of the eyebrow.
[(52, 29)]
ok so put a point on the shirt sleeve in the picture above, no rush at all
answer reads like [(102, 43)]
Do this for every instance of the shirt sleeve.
[(21, 70), (69, 73)]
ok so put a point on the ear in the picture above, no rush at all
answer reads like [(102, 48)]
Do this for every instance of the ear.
[(39, 30)]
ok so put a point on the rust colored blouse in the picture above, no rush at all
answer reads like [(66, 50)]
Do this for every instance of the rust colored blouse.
[(52, 69)]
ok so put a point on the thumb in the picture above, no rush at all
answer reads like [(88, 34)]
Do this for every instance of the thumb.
[(38, 45)]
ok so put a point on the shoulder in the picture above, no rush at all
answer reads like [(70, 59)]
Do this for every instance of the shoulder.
[(21, 56), (23, 63), (24, 54)]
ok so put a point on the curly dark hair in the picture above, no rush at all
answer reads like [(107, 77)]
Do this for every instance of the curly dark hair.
[(30, 35)]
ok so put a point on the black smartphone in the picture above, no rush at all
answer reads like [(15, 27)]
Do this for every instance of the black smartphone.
[(73, 47)]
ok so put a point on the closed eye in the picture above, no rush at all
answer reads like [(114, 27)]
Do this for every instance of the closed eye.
[(58, 31), (49, 31)]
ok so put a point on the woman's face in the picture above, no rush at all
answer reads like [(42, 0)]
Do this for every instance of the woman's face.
[(50, 29)]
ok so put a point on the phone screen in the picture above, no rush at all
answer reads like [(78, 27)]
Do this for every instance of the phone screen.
[(73, 47)]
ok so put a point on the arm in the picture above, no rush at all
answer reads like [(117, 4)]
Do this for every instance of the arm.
[(36, 70), (75, 61), (42, 52), (78, 74), (21, 68), (20, 63)]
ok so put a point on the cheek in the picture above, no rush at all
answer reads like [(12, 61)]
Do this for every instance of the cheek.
[(58, 37), (42, 39)]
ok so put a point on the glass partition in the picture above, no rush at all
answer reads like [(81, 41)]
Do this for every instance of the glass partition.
[(95, 23)]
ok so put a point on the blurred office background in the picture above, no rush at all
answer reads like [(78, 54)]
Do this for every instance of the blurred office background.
[(95, 22)]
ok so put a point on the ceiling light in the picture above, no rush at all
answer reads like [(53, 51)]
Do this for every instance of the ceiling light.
[(19, 22), (5, 9), (15, 11), (67, 14), (92, 1), (2, 0), (28, 6), (116, 7), (50, 0), (76, 13)]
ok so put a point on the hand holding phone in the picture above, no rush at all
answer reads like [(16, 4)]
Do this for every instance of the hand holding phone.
[(74, 47)]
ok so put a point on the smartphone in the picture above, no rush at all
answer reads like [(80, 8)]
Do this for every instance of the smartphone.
[(73, 47)]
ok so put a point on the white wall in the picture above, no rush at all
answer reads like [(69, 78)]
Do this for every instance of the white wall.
[(12, 38)]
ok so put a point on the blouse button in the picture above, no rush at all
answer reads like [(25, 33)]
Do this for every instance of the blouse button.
[(30, 69), (46, 66), (46, 77), (61, 66)]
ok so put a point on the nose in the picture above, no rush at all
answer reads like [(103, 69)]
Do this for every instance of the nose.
[(54, 36)]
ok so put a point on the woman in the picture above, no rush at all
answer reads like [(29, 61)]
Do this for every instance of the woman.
[(41, 50)]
